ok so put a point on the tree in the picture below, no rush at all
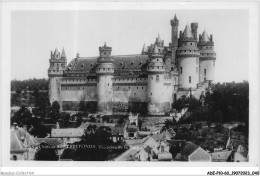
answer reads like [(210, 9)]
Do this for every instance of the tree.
[(121, 120), (46, 152), (38, 129), (105, 119), (54, 112), (179, 104), (42, 104), (64, 120), (92, 119), (22, 117), (79, 121), (99, 140), (218, 128), (140, 123), (168, 123)]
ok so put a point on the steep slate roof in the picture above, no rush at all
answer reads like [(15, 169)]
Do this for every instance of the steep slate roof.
[(85, 125), (242, 150), (221, 156), (117, 130), (189, 149), (128, 155), (49, 141), (20, 140), (205, 37), (187, 32), (122, 63), (148, 149), (67, 132)]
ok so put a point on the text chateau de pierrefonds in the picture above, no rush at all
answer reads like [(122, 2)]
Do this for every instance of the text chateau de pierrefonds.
[(146, 83)]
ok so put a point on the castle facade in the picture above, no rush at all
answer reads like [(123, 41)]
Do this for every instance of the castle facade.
[(146, 83)]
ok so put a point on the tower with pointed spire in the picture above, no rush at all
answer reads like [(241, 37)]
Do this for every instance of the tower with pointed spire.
[(146, 83), (144, 50), (105, 71), (57, 66), (188, 60), (174, 40), (207, 57)]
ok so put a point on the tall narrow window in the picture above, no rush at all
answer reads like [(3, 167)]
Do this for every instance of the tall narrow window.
[(205, 72), (214, 63), (197, 69), (181, 69), (157, 78), (197, 61), (189, 79)]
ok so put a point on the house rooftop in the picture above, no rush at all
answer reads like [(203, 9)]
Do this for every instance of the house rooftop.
[(221, 156)]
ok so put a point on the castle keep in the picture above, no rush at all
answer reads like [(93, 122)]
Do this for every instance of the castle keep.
[(146, 83)]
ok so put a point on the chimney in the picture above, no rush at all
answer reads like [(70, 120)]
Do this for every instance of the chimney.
[(211, 38), (194, 29), (180, 34)]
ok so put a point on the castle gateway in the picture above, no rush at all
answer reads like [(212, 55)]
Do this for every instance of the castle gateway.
[(146, 83)]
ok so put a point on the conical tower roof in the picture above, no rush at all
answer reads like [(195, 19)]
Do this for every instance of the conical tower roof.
[(187, 32), (144, 48), (159, 38), (155, 49), (175, 17), (205, 37), (63, 55)]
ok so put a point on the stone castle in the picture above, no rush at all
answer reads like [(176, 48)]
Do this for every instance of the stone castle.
[(146, 83)]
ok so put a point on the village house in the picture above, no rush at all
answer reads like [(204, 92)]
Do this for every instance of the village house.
[(150, 148), (193, 153), (221, 156), (22, 144), (67, 135), (241, 154)]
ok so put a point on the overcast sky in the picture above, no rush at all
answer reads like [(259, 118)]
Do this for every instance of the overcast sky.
[(35, 33)]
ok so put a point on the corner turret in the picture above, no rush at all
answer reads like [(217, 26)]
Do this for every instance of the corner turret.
[(207, 57), (157, 92), (56, 69), (105, 71), (188, 60)]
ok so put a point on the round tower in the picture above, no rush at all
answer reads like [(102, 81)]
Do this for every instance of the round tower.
[(158, 98), (188, 60), (105, 71), (207, 58), (58, 63)]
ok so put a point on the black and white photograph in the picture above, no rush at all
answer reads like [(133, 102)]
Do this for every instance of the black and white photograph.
[(131, 84)]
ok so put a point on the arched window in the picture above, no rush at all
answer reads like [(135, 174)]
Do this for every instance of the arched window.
[(157, 78)]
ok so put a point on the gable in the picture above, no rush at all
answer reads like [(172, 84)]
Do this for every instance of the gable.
[(200, 155)]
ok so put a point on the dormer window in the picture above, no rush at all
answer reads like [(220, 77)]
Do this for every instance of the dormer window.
[(82, 65)]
